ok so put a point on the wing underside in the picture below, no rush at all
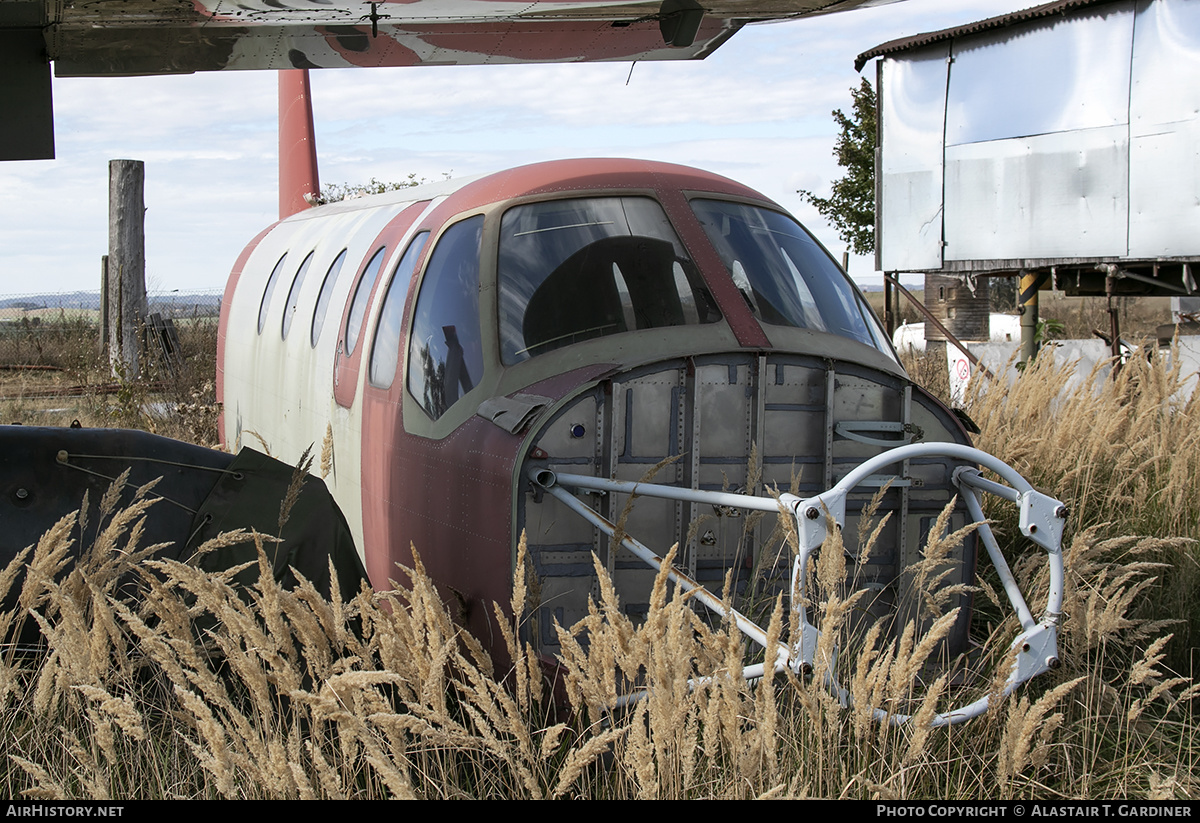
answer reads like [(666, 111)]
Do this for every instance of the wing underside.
[(97, 38), (106, 37)]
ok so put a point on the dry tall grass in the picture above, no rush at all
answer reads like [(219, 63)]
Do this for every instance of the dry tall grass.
[(1122, 451), (175, 400), (203, 690)]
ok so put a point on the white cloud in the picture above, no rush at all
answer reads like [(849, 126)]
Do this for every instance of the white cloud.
[(758, 110)]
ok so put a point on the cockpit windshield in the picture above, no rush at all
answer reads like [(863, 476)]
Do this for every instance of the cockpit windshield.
[(786, 278), (573, 270)]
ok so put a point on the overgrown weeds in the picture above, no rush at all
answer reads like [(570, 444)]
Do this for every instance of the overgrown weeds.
[(1122, 450), (57, 373), (199, 689), (204, 691)]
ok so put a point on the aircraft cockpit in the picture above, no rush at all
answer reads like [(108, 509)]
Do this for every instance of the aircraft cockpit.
[(578, 269), (786, 278), (573, 270)]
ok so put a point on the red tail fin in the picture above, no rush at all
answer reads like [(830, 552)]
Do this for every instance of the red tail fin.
[(297, 143)]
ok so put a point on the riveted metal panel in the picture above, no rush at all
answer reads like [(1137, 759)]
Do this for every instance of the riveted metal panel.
[(649, 427), (1045, 76), (912, 113), (1053, 195), (794, 414), (728, 417), (1164, 126), (725, 401)]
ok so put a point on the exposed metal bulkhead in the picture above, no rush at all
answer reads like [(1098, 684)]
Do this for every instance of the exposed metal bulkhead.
[(755, 424)]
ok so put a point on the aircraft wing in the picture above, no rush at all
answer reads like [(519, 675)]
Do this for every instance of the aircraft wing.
[(116, 37), (104, 37)]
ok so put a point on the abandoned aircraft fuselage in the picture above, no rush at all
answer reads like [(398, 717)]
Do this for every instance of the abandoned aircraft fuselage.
[(592, 317)]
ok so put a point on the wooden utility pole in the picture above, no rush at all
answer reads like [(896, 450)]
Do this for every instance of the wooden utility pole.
[(126, 266)]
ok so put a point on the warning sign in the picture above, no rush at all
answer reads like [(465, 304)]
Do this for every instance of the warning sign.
[(959, 369)]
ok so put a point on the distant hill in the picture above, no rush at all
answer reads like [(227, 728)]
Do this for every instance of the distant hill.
[(174, 303)]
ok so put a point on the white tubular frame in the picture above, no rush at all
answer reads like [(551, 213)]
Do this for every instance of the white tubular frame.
[(1042, 519)]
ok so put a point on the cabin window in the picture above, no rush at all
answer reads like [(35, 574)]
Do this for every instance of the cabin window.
[(322, 307), (785, 276), (574, 270), (294, 294), (445, 358), (362, 293), (265, 305), (385, 352)]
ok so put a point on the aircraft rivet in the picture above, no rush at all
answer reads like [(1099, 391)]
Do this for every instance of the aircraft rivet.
[(1033, 528), (811, 513), (1061, 512), (1025, 647), (22, 494), (1054, 662)]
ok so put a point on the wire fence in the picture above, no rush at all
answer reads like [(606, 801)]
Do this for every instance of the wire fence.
[(63, 330)]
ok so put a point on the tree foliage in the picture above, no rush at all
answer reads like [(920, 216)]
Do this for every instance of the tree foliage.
[(851, 208), (335, 192)]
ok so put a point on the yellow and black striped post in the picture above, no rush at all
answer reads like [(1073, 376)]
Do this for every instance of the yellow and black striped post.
[(1027, 301)]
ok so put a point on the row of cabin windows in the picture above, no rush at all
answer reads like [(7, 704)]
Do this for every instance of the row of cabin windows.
[(569, 271), (385, 351), (322, 307), (548, 249), (576, 269)]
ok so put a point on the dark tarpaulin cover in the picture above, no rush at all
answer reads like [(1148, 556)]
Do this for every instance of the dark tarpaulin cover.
[(249, 496)]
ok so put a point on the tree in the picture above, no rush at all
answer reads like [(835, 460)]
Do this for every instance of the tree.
[(851, 208), (334, 192)]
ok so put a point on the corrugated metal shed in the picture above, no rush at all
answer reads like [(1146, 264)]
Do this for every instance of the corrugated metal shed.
[(999, 22), (1065, 137)]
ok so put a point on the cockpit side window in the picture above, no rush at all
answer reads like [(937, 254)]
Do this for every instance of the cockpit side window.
[(573, 270), (445, 358), (785, 276), (385, 353)]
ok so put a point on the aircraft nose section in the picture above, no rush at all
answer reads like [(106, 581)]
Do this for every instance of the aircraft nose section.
[(726, 475), (748, 424)]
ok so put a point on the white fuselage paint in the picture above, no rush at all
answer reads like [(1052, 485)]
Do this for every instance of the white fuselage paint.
[(281, 390)]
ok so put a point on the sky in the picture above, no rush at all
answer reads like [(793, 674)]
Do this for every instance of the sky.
[(758, 110)]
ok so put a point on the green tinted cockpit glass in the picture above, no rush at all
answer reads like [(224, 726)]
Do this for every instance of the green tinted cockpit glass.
[(573, 270), (362, 293), (293, 298), (785, 276), (265, 305)]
